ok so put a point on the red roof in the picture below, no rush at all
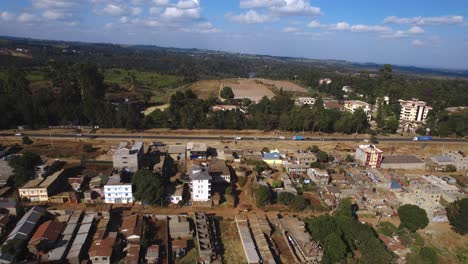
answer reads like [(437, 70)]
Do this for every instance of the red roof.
[(49, 230), (133, 254), (103, 247), (132, 225)]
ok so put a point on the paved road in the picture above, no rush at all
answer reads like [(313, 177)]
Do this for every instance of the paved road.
[(160, 137)]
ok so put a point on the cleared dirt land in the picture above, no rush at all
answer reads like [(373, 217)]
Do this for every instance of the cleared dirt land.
[(248, 88)]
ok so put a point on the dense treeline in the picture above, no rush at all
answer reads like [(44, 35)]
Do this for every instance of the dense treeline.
[(347, 240), (77, 97), (188, 111)]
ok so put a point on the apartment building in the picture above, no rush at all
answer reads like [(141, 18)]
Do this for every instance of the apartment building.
[(116, 192), (414, 110), (200, 184), (369, 156), (352, 105), (39, 189), (219, 171), (128, 156)]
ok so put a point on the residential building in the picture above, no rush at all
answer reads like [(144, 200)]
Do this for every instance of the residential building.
[(80, 245), (219, 171), (402, 162), (305, 158), (369, 156), (133, 254), (23, 230), (178, 194), (292, 168), (305, 101), (5, 172), (101, 250), (196, 150), (320, 177), (118, 192), (414, 110), (253, 155), (46, 234), (352, 105), (10, 206), (176, 152), (329, 104), (460, 159), (440, 163), (325, 81), (39, 189), (152, 254), (57, 254), (96, 187), (272, 158), (347, 89), (179, 227), (200, 184), (128, 156), (132, 228)]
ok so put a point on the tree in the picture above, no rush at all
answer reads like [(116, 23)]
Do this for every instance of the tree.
[(374, 139), (27, 141), (149, 187), (262, 196), (23, 167), (298, 203), (88, 148), (266, 150), (412, 217), (335, 248), (350, 158), (229, 190), (322, 156), (277, 184), (227, 93), (457, 213), (451, 168), (285, 198)]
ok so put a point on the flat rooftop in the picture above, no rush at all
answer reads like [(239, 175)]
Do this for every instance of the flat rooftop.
[(401, 159)]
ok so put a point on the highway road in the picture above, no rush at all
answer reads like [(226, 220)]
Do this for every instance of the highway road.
[(185, 137)]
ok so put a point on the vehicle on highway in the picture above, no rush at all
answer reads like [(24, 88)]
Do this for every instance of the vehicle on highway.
[(298, 138), (282, 138), (238, 138), (79, 135), (422, 138), (18, 134)]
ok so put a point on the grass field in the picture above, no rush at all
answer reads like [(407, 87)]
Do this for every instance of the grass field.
[(141, 78)]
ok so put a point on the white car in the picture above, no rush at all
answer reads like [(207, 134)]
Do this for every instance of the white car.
[(79, 135), (282, 138), (238, 138), (18, 134)]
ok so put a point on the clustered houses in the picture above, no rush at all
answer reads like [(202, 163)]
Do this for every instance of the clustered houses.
[(352, 105)]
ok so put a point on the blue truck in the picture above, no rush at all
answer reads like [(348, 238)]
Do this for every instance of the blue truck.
[(422, 138), (298, 138)]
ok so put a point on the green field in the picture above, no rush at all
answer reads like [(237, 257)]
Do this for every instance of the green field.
[(147, 79)]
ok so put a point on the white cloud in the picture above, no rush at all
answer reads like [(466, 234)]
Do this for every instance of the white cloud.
[(296, 8), (178, 13), (415, 30), (26, 18), (203, 28), (370, 28), (291, 29), (417, 42), (249, 17), (315, 24), (108, 25), (421, 21), (53, 15), (124, 19), (136, 10), (261, 3), (5, 16), (54, 4), (340, 26), (161, 2), (113, 10), (187, 4)]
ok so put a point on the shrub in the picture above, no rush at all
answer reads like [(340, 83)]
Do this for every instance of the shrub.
[(241, 181), (27, 140)]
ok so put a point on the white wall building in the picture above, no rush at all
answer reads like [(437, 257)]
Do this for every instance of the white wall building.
[(200, 184), (305, 101), (117, 192), (353, 105), (128, 155), (414, 110)]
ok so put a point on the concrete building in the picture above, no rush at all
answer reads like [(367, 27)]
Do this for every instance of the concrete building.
[(352, 105), (305, 101), (10, 206), (196, 150), (39, 189), (152, 254), (414, 110), (101, 250), (440, 163), (325, 81), (369, 156), (347, 89), (118, 192), (402, 162), (128, 156), (176, 152), (305, 158), (179, 227), (200, 184), (272, 158), (460, 160), (319, 177)]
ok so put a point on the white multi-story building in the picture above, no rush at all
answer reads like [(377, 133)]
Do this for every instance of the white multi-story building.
[(200, 184), (414, 110), (305, 101), (369, 156), (117, 192), (128, 156), (353, 105)]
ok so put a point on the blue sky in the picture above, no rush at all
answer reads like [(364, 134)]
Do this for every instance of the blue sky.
[(426, 33)]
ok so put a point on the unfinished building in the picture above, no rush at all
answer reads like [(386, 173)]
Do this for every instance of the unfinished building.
[(206, 237)]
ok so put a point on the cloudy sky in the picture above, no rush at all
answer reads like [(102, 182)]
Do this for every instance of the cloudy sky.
[(427, 33)]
